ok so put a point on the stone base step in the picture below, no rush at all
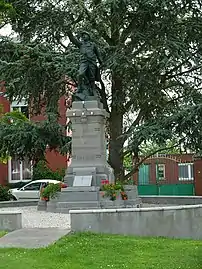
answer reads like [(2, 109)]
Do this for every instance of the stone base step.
[(78, 204), (64, 207), (78, 196)]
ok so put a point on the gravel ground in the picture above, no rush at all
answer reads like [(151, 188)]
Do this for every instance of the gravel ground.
[(31, 218)]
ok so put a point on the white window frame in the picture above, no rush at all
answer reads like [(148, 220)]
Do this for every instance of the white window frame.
[(164, 171), (189, 172), (17, 104)]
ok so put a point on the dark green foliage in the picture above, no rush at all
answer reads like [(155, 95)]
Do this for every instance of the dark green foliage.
[(6, 11), (152, 56), (26, 139), (42, 171), (51, 191), (5, 195)]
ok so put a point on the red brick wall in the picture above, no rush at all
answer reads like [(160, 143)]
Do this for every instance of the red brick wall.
[(55, 160), (6, 108), (171, 168), (198, 177)]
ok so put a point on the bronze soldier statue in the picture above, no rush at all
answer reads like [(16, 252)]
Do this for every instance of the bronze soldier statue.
[(88, 71)]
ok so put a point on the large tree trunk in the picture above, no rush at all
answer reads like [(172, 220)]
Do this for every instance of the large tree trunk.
[(116, 128)]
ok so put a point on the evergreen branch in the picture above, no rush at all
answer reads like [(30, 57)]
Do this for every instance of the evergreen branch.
[(126, 32), (61, 44), (128, 105), (135, 123), (178, 66), (98, 28), (184, 72)]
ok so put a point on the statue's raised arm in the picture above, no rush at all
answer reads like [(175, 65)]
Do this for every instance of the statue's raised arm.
[(73, 39)]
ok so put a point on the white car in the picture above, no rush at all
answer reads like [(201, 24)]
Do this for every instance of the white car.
[(31, 190)]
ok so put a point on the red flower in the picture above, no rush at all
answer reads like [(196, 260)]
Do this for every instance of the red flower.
[(104, 181)]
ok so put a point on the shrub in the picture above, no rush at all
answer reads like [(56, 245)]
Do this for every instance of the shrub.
[(51, 191), (42, 171), (5, 194), (114, 190)]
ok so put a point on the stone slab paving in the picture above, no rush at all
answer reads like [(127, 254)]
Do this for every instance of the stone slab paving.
[(32, 237)]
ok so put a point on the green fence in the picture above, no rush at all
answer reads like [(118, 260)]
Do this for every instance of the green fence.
[(167, 189), (150, 183)]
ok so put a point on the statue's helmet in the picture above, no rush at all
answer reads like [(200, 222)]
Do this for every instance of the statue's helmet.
[(85, 33)]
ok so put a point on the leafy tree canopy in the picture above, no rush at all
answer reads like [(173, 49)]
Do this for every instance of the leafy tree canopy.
[(6, 10), (26, 139), (169, 147), (152, 61)]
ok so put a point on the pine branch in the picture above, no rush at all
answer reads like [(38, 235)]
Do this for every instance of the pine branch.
[(179, 65), (126, 32), (135, 123), (184, 72), (98, 28)]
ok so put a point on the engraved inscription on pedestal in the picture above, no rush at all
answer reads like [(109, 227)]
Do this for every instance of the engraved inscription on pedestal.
[(82, 181)]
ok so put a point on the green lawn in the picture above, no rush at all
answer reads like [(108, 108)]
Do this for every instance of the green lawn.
[(91, 251), (2, 233)]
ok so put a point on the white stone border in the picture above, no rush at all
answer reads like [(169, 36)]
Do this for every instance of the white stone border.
[(165, 208)]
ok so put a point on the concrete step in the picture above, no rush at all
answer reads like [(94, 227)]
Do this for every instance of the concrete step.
[(77, 204), (79, 196), (64, 207)]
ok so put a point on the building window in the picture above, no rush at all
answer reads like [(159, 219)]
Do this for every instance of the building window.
[(186, 171), (160, 171), (17, 170), (23, 109)]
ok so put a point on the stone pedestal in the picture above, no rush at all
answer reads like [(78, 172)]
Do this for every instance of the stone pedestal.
[(89, 156), (90, 198), (89, 165)]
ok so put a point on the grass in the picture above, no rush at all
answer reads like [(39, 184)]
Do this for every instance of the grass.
[(2, 233), (89, 251)]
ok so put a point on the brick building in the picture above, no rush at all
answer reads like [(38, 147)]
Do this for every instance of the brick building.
[(170, 174), (15, 171)]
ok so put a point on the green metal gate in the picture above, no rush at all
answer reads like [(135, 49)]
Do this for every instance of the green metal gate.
[(154, 179)]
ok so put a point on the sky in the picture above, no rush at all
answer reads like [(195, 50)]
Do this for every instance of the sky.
[(5, 30)]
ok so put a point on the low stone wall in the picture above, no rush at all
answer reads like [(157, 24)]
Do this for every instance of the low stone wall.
[(20, 203), (10, 221), (172, 200), (173, 221)]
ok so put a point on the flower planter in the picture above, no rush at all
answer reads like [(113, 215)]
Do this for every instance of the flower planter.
[(51, 205), (106, 198), (131, 191), (42, 205), (106, 203)]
